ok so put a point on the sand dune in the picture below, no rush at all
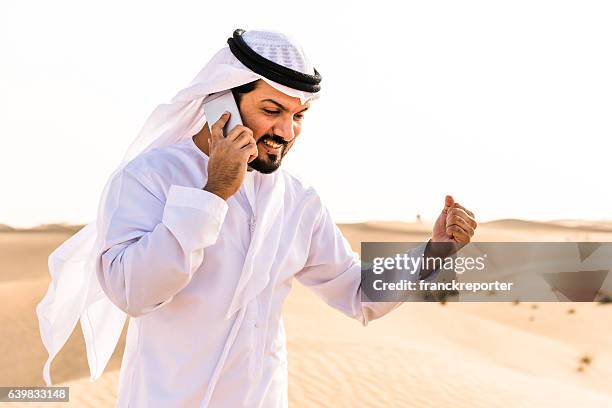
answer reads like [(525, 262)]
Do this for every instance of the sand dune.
[(421, 355)]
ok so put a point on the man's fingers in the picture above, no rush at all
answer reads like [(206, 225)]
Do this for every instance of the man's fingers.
[(216, 130), (250, 149), (457, 205), (237, 131), (458, 234), (467, 228), (460, 213), (448, 203), (243, 139)]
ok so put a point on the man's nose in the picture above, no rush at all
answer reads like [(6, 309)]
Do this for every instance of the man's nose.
[(284, 129)]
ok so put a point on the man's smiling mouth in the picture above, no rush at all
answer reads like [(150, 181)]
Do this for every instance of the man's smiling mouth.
[(272, 144)]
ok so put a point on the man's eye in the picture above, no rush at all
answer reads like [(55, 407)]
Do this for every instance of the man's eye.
[(270, 112), (299, 116)]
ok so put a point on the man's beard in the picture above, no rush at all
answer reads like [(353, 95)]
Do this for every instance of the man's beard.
[(270, 162)]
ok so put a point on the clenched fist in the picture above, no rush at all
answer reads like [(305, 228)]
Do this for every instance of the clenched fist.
[(453, 229), (455, 224), (228, 157)]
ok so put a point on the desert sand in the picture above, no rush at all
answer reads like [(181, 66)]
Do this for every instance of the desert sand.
[(420, 355)]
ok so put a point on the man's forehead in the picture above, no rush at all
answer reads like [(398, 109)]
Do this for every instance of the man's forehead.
[(265, 92)]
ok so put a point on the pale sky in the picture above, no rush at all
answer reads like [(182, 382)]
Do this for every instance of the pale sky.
[(505, 105)]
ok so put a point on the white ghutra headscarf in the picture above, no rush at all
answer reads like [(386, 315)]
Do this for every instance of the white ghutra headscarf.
[(74, 293)]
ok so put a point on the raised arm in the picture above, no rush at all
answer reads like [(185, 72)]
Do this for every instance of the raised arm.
[(333, 272)]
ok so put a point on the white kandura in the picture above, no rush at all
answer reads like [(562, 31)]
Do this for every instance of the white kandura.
[(202, 280)]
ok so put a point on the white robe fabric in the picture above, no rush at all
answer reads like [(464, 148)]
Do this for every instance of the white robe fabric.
[(74, 294), (203, 330)]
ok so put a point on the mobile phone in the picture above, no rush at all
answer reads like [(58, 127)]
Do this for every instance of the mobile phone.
[(214, 105)]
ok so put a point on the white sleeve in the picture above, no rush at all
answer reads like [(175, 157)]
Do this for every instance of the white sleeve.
[(333, 272), (152, 248)]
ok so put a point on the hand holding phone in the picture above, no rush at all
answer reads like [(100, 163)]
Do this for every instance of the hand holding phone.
[(215, 104), (229, 155)]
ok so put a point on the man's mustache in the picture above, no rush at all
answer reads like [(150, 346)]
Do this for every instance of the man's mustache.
[(274, 138)]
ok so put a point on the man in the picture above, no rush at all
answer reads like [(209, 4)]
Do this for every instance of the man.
[(199, 238)]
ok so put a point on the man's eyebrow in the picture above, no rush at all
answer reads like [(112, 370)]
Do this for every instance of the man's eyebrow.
[(281, 107), (278, 105)]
